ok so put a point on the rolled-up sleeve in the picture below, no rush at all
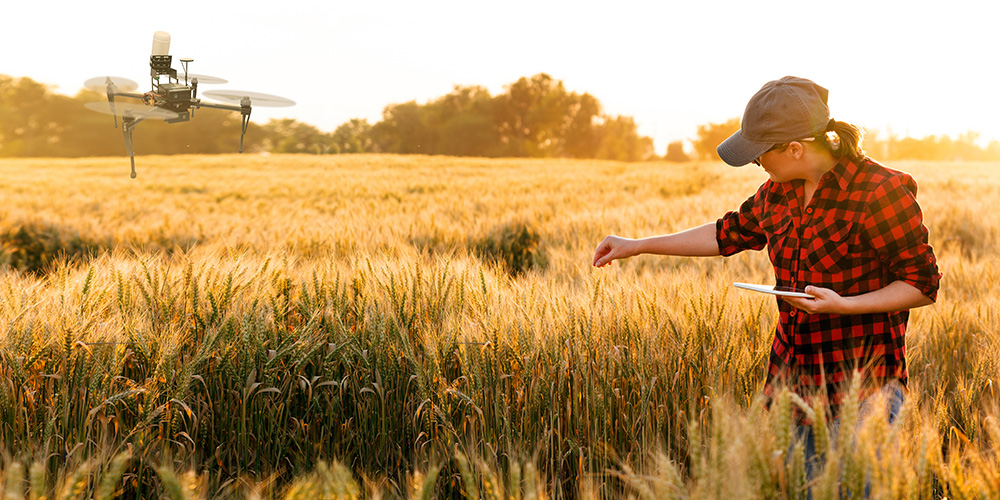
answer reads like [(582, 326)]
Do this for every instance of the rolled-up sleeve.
[(740, 230), (895, 230)]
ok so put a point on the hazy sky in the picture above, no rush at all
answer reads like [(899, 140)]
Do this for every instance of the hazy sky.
[(918, 67)]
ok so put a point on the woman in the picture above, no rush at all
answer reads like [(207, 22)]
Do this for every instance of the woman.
[(838, 226)]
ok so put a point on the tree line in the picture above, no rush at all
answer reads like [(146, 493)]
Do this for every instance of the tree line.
[(533, 117), (35, 121), (877, 145)]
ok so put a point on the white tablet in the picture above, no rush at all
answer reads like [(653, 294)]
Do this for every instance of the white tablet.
[(774, 290)]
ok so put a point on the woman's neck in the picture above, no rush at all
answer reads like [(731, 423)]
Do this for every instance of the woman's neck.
[(810, 181)]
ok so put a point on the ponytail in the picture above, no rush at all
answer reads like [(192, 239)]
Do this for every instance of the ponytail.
[(843, 139)]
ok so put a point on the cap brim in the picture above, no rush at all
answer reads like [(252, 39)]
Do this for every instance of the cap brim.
[(738, 151)]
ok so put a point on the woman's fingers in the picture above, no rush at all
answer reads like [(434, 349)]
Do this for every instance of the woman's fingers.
[(824, 301), (603, 255), (602, 251)]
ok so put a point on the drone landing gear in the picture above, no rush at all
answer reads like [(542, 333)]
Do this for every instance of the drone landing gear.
[(243, 130), (128, 124), (245, 111)]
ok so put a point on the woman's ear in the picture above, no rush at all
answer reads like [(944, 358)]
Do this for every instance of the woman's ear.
[(797, 149)]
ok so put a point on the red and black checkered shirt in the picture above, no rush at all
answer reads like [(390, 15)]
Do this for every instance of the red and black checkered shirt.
[(862, 230)]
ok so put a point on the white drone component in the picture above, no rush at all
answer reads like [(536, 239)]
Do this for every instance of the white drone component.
[(161, 43)]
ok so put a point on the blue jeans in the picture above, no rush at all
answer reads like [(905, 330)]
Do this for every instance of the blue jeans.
[(894, 397)]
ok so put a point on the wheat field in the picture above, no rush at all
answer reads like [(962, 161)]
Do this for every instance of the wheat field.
[(365, 326)]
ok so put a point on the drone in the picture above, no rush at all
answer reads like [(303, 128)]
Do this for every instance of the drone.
[(173, 97)]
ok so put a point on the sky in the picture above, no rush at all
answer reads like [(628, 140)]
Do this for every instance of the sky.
[(910, 68)]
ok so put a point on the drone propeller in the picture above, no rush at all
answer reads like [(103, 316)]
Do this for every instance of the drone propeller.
[(135, 110), (100, 83), (210, 80), (256, 98)]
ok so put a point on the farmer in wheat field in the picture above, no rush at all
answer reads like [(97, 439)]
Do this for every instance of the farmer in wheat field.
[(837, 225)]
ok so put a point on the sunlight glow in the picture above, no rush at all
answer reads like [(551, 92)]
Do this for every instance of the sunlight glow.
[(912, 68)]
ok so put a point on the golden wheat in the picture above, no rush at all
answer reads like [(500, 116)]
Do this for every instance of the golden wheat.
[(433, 323)]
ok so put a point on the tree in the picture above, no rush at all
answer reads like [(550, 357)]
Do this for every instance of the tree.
[(353, 136), (469, 134), (402, 130), (534, 117), (531, 115), (620, 140), (711, 135), (292, 136), (538, 117), (675, 152), (465, 123), (30, 117), (581, 139)]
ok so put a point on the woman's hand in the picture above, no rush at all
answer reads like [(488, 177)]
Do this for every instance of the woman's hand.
[(612, 248), (897, 296), (826, 301)]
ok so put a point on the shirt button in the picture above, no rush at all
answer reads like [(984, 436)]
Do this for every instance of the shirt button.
[(809, 210), (792, 314)]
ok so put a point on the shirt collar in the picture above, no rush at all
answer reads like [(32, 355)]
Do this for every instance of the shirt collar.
[(844, 171)]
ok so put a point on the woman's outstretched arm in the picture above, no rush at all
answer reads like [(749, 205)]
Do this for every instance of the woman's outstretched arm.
[(695, 242)]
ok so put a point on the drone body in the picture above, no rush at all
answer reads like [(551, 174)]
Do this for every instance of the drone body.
[(171, 98)]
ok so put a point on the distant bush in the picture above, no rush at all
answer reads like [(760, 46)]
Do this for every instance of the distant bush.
[(33, 246), (675, 152), (515, 245)]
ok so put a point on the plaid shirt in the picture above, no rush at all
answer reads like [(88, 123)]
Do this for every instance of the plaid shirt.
[(861, 231)]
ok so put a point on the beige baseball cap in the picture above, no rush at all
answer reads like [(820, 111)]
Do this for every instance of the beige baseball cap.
[(781, 111)]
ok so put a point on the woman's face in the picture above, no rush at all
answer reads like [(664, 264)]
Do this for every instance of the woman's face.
[(784, 165)]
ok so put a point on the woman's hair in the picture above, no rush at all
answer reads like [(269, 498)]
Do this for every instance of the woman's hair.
[(842, 139), (839, 138)]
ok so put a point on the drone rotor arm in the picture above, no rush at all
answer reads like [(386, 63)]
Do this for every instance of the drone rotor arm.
[(244, 109), (227, 107), (133, 95)]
